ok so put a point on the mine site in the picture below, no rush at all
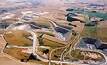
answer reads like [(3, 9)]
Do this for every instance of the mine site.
[(53, 32)]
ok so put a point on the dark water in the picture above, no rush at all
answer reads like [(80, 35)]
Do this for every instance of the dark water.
[(61, 30)]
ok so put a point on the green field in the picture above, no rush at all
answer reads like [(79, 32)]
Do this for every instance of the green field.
[(95, 32), (90, 13)]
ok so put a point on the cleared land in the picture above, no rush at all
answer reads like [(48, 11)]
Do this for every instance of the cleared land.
[(18, 38), (17, 53), (7, 61)]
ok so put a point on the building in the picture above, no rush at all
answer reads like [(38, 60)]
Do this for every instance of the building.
[(101, 46), (92, 43), (4, 25)]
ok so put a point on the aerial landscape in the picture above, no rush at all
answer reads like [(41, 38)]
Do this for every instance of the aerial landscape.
[(53, 32)]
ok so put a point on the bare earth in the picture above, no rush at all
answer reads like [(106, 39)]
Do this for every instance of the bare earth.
[(7, 61)]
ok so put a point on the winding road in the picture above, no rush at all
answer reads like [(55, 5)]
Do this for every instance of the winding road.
[(71, 45)]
